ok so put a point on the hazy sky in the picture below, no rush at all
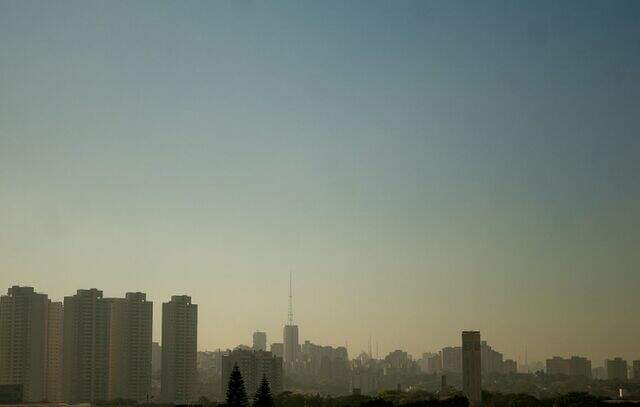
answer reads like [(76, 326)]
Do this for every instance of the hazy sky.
[(422, 167)]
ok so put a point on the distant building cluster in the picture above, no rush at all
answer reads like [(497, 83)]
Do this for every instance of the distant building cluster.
[(89, 348), (449, 360), (573, 366)]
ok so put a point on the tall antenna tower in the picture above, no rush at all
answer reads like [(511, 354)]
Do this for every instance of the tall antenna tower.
[(290, 315)]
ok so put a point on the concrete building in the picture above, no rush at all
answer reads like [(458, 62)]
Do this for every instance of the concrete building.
[(324, 361), (260, 341), (179, 350), (399, 361), (253, 366), (491, 359), (636, 370), (434, 363), (55, 324), (575, 366), (616, 369), (510, 366), (86, 347), (130, 331), (580, 367), (291, 346), (599, 373), (557, 366), (277, 349), (452, 359), (23, 341), (472, 367)]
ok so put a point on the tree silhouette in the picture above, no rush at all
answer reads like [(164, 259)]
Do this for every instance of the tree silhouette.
[(263, 396), (236, 393)]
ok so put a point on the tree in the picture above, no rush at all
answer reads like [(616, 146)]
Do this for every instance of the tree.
[(236, 393), (263, 396)]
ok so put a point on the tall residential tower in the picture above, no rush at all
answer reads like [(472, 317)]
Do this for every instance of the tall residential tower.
[(179, 350), (471, 367), (130, 330), (23, 341), (260, 341), (86, 347)]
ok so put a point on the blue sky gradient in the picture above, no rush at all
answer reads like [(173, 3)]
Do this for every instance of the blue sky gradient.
[(422, 167)]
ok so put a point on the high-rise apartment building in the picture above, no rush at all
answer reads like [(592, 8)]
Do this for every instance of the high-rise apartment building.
[(23, 341), (324, 361), (55, 323), (253, 366), (291, 346), (277, 348), (509, 366), (260, 341), (580, 366), (636, 370), (557, 366), (599, 373), (616, 369), (434, 363), (491, 359), (130, 330), (472, 367), (86, 347), (452, 359), (575, 366), (179, 350)]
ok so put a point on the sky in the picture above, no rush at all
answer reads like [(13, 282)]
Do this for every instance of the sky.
[(421, 168)]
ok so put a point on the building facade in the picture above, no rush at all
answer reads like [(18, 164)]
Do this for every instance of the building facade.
[(86, 347), (253, 365), (491, 359), (277, 348), (179, 350), (616, 369), (636, 370), (575, 366), (509, 366), (23, 341), (472, 367), (260, 341), (452, 359), (291, 345), (130, 334)]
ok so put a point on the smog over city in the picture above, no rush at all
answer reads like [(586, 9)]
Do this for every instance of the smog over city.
[(320, 203)]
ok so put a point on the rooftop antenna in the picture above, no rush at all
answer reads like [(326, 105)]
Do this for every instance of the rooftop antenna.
[(290, 315)]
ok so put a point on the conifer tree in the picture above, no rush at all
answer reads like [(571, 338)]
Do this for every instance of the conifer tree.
[(263, 396), (236, 393)]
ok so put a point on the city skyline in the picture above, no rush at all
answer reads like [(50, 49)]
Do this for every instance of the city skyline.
[(249, 343), (94, 349), (421, 167)]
